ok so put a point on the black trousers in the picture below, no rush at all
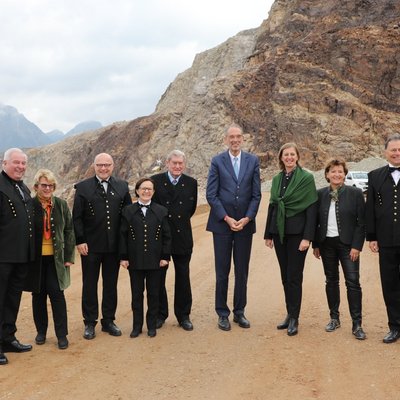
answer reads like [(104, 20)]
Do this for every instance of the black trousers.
[(182, 290), (291, 262), (139, 280), (389, 265), (91, 264), (332, 251), (12, 280), (224, 247), (50, 287)]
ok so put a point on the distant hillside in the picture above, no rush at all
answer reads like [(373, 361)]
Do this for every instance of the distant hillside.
[(17, 131), (55, 135), (84, 127)]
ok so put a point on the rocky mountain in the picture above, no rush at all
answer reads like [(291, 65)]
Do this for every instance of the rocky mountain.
[(324, 74), (84, 127), (55, 135), (17, 131)]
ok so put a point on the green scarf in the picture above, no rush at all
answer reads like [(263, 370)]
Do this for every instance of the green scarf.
[(299, 195)]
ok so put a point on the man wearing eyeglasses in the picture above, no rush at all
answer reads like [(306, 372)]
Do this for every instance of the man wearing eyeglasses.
[(16, 247), (96, 213)]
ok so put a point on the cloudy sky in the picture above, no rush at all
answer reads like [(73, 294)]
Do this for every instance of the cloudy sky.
[(68, 61)]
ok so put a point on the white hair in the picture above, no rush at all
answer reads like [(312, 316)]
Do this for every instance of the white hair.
[(8, 153)]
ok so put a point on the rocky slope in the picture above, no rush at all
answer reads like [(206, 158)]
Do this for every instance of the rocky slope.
[(324, 74)]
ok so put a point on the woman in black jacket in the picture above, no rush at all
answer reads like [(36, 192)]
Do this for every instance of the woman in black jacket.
[(340, 237), (145, 247)]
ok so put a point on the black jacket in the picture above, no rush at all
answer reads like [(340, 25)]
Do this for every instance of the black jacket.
[(97, 215), (16, 223), (181, 202), (383, 208), (350, 216), (144, 241)]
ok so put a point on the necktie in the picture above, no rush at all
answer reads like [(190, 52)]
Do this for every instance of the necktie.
[(174, 182), (104, 183), (20, 191), (236, 166), (392, 169)]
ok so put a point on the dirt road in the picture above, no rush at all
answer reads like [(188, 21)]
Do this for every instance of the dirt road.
[(256, 363)]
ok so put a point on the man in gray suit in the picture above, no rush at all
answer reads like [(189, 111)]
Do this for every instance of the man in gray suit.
[(234, 194)]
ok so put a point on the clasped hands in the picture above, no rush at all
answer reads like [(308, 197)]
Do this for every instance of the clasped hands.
[(237, 225), (125, 263)]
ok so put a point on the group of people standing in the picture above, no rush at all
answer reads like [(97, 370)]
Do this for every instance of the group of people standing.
[(38, 238)]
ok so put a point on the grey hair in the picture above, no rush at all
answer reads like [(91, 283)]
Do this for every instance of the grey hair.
[(392, 138), (176, 153), (9, 152), (233, 126)]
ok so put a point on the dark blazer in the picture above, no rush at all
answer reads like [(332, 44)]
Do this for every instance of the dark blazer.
[(180, 201), (63, 237), (350, 216), (383, 208), (236, 197), (303, 223), (97, 215), (144, 241), (16, 230)]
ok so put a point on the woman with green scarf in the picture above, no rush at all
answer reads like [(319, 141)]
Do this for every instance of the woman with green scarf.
[(290, 227)]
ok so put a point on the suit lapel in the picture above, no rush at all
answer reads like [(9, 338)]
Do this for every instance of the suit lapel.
[(228, 165), (244, 163)]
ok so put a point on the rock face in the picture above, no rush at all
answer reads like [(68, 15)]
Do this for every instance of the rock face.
[(324, 74), (17, 131)]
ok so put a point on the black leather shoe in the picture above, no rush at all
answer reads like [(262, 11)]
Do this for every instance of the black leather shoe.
[(3, 358), (89, 332), (284, 324), (152, 333), (135, 332), (159, 323), (63, 343), (390, 337), (112, 329), (40, 338), (186, 324), (332, 325), (359, 333), (293, 327), (224, 324), (16, 347), (242, 321)]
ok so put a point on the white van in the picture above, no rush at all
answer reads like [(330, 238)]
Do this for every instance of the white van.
[(357, 179)]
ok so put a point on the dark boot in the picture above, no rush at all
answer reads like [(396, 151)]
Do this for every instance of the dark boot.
[(293, 327), (284, 324), (358, 331)]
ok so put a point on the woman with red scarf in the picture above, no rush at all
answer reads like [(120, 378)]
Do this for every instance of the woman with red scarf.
[(55, 251)]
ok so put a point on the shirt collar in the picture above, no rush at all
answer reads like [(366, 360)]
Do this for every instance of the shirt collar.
[(171, 178)]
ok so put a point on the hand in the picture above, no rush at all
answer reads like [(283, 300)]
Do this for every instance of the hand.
[(317, 253), (83, 249), (269, 243), (242, 223), (232, 223), (374, 246), (68, 264), (354, 254), (124, 264), (164, 263), (304, 245)]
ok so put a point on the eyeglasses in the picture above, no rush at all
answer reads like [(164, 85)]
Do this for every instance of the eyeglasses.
[(47, 186), (103, 165), (145, 189)]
